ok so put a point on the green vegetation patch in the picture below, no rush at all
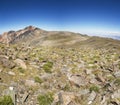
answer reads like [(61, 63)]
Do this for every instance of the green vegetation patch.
[(94, 88), (45, 99), (6, 100), (117, 81), (38, 80), (21, 70), (67, 87), (47, 67)]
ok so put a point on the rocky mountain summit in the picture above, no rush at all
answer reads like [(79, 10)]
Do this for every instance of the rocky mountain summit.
[(38, 67), (35, 36), (9, 37)]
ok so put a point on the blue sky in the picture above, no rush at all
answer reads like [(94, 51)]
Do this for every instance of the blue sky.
[(94, 17)]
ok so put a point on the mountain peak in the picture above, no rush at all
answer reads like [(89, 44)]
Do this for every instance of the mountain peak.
[(10, 36), (30, 28)]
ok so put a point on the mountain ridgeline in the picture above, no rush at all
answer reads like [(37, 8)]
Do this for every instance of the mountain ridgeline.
[(34, 36)]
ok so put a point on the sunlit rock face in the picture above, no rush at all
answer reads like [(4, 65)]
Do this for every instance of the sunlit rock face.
[(8, 37)]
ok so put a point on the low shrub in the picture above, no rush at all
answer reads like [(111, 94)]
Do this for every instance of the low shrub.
[(21, 70), (94, 88), (45, 99), (67, 87), (37, 79), (6, 100), (47, 67)]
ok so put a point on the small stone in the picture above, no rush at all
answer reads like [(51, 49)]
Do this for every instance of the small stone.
[(30, 83), (78, 80), (100, 78), (103, 99), (0, 70), (90, 102), (25, 97), (11, 88), (92, 97), (117, 74), (116, 94), (65, 98), (65, 69), (91, 65), (88, 71), (85, 91), (11, 73), (93, 81), (46, 76)]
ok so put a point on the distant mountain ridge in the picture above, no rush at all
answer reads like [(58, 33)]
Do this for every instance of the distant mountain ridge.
[(34, 36)]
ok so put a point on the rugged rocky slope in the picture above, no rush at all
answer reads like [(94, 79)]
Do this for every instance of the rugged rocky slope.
[(84, 73)]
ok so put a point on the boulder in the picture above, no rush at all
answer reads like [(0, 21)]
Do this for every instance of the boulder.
[(6, 62), (65, 98), (21, 63), (91, 97), (78, 80)]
